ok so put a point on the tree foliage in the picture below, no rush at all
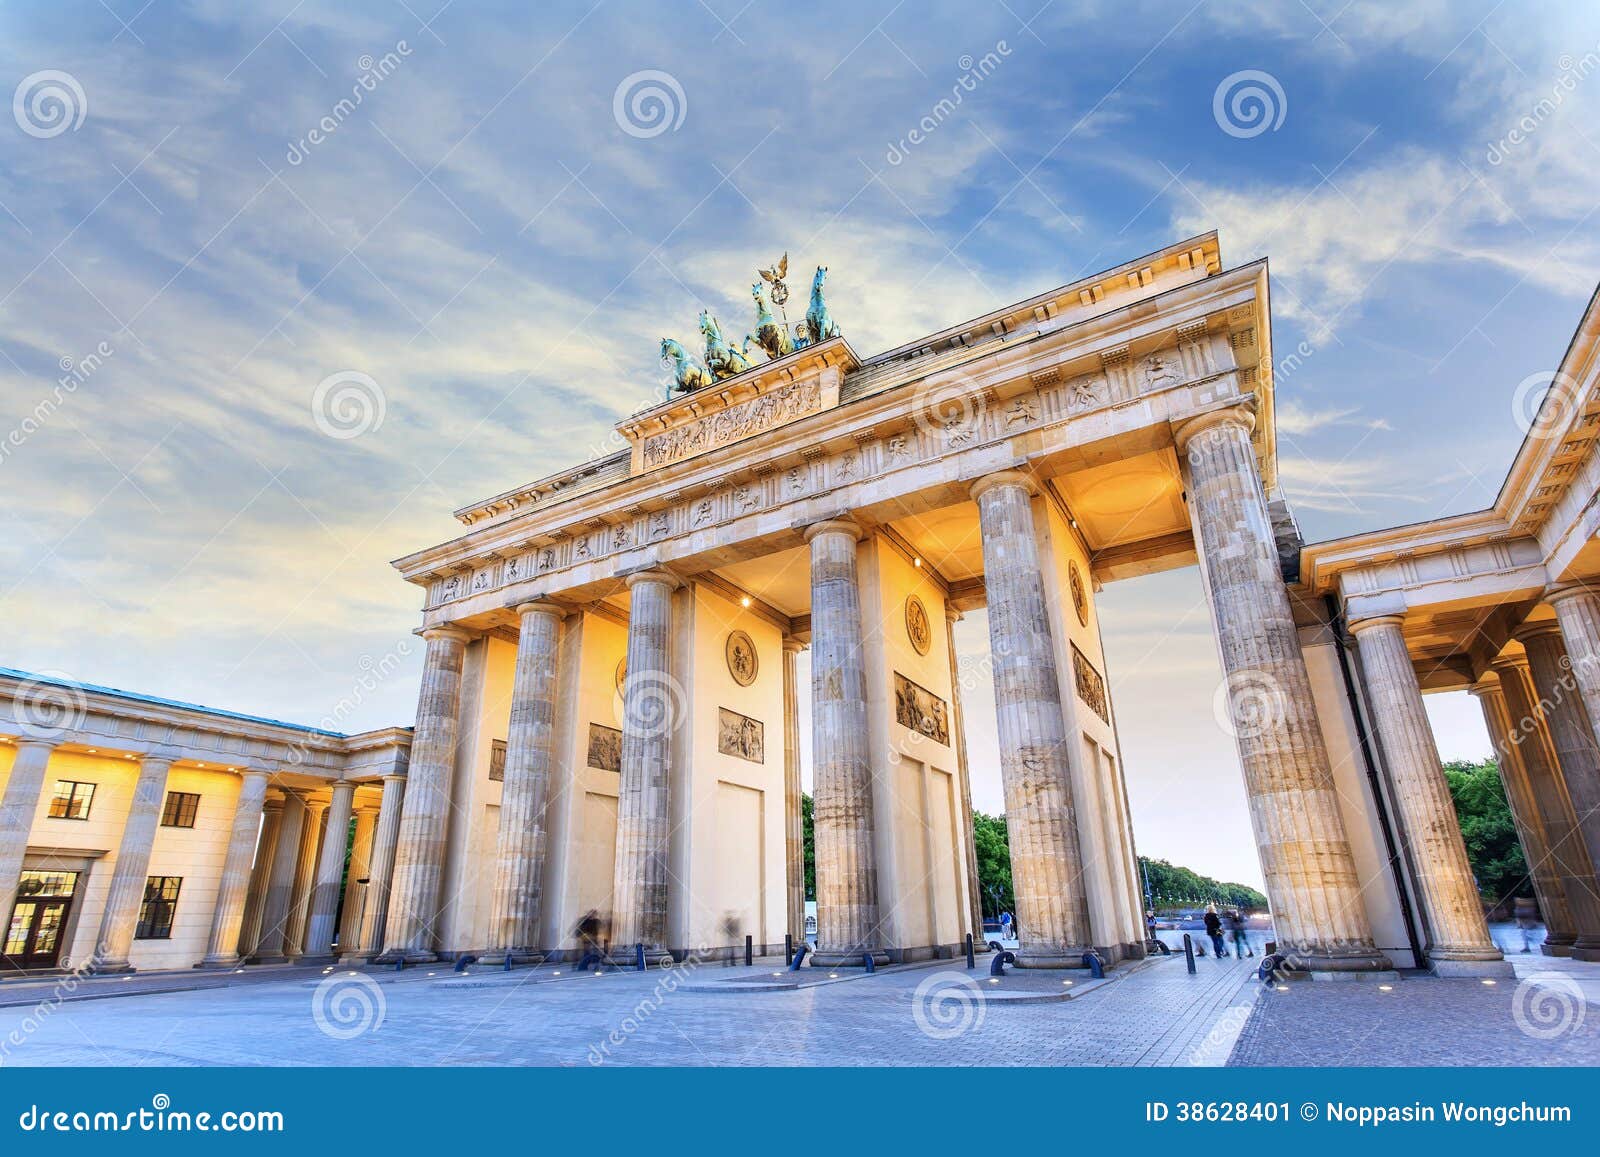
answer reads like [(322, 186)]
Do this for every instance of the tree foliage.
[(1488, 829), (808, 823), (994, 863), (1172, 886)]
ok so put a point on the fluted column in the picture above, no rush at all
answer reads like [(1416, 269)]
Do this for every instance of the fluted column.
[(958, 736), (794, 833), (841, 760), (121, 916), (413, 906), (1577, 610), (305, 875), (530, 759), (1547, 887), (1458, 935), (325, 889), (1568, 859), (1578, 763), (1046, 862), (355, 889), (17, 809), (227, 914), (1317, 906), (260, 877), (380, 870), (652, 702), (275, 908)]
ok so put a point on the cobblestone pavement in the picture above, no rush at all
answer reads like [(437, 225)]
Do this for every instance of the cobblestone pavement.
[(1154, 1014), (1541, 1018)]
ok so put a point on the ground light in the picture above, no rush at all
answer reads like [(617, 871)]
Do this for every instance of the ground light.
[(1385, 988)]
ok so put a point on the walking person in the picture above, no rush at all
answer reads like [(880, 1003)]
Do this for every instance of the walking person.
[(1214, 930), (1236, 928), (588, 934)]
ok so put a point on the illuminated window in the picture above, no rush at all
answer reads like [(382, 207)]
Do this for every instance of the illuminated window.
[(156, 912), (72, 800)]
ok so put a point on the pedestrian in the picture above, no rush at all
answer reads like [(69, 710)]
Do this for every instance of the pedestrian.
[(1150, 925), (1527, 919), (1241, 941), (1214, 930), (588, 934)]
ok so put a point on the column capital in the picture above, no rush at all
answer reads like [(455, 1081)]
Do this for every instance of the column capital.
[(1536, 631), (834, 526), (952, 615), (345, 785), (247, 772), (671, 581), (1240, 412), (1356, 626), (394, 775), (793, 645), (1509, 663), (156, 759), (1559, 592), (541, 607), (445, 631), (1487, 684), (1015, 478), (23, 741)]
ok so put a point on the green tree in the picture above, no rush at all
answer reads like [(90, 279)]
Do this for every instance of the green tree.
[(808, 822), (1174, 886), (1488, 829), (994, 863)]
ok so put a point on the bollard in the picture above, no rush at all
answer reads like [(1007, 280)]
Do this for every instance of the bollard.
[(799, 955), (788, 946), (638, 958), (1091, 961), (506, 966), (866, 961), (972, 960), (1188, 952), (1003, 957), (400, 964), (1268, 971), (749, 952)]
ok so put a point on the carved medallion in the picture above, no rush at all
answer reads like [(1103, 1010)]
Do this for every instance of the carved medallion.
[(742, 661), (1080, 595), (622, 672), (917, 628)]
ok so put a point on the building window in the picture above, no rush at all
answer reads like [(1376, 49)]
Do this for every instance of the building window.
[(497, 760), (160, 902), (72, 800), (180, 809)]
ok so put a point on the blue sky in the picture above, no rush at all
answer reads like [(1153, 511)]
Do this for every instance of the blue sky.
[(483, 239)]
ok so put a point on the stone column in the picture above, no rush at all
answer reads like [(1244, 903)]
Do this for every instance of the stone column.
[(530, 761), (260, 877), (652, 703), (1578, 762), (227, 915), (1459, 943), (355, 892), (17, 809), (413, 904), (1547, 886), (1568, 859), (1046, 864), (958, 736), (794, 833), (325, 891), (305, 874), (121, 917), (1578, 613), (1317, 908), (385, 841), (280, 881), (841, 759)]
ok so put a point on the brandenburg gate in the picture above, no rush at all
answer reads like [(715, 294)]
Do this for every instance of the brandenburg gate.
[(610, 721)]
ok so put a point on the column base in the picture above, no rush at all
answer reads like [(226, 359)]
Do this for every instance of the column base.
[(1581, 953), (1374, 976), (1485, 968), (653, 957), (1559, 944), (829, 958), (220, 963), (1360, 965), (1057, 957), (408, 955), (318, 958), (276, 958), (497, 956), (111, 968)]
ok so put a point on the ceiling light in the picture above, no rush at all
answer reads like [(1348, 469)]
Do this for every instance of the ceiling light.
[(745, 602), (917, 562)]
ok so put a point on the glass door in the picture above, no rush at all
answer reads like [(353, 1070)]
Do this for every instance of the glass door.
[(34, 936)]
